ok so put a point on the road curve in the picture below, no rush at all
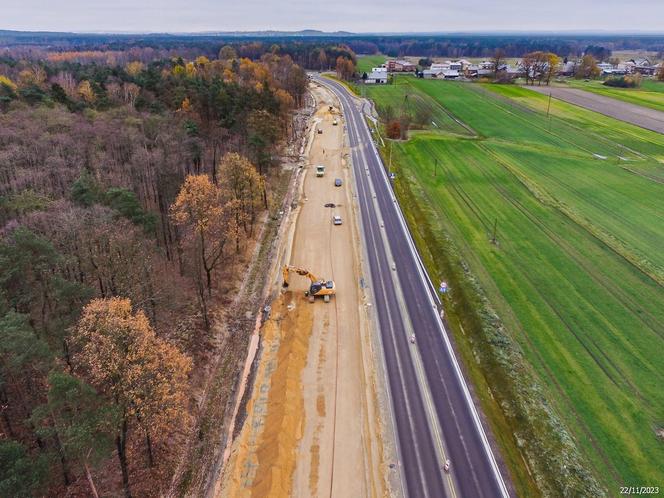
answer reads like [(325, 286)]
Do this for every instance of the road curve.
[(405, 300)]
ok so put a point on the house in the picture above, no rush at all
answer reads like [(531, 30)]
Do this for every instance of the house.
[(440, 66), (456, 66), (478, 71), (432, 74), (441, 71), (567, 68), (400, 66), (619, 70), (486, 65), (471, 71), (378, 75), (464, 63), (643, 66), (641, 62), (629, 67)]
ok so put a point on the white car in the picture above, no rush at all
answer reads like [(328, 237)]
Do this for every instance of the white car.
[(336, 219)]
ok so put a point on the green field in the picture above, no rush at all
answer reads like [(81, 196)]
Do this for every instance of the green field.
[(576, 274), (649, 94), (366, 62), (404, 98)]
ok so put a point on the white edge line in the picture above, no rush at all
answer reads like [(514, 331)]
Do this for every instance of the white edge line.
[(425, 278)]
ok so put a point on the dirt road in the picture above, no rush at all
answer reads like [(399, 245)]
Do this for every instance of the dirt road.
[(644, 117), (313, 427)]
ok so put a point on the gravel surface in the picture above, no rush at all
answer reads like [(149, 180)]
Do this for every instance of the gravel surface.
[(644, 117)]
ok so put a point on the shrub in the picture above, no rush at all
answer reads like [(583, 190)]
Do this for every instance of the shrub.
[(394, 129), (624, 81)]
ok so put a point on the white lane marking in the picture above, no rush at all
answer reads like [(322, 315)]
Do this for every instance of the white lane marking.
[(374, 311), (424, 388), (425, 278), (435, 431)]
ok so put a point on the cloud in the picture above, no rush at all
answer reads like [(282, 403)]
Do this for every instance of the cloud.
[(351, 15)]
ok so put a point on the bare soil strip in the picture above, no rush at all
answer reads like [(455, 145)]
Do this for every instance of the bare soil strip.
[(313, 426), (644, 117)]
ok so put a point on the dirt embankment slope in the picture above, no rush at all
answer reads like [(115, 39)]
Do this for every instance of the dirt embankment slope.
[(312, 426)]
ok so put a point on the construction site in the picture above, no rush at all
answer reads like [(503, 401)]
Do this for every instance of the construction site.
[(315, 414)]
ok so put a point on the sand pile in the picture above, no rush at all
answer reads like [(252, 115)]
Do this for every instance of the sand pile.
[(266, 450)]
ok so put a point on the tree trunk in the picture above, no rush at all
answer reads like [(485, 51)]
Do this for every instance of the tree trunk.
[(214, 162), (149, 445), (65, 349), (93, 488), (5, 403), (63, 458), (121, 443)]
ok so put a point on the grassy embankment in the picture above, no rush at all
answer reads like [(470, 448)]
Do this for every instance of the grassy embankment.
[(649, 94), (575, 278)]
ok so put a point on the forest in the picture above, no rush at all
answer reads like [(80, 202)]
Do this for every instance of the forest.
[(304, 46), (131, 181)]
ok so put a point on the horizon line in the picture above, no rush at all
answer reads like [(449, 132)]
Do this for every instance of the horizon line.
[(341, 32)]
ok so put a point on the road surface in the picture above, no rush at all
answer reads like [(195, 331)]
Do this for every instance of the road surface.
[(433, 411), (651, 119)]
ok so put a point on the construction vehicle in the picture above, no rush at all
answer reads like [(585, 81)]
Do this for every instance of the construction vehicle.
[(319, 286)]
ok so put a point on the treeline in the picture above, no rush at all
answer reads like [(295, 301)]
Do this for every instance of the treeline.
[(127, 194), (442, 45)]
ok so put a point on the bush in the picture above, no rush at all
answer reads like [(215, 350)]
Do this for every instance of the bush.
[(394, 130), (624, 81)]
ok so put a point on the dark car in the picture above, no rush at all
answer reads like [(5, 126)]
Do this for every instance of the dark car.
[(338, 182)]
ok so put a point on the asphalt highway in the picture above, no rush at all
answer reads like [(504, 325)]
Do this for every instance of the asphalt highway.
[(433, 412)]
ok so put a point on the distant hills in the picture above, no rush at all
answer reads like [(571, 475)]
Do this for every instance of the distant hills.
[(253, 34)]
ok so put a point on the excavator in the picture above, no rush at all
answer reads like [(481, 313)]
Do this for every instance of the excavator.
[(319, 286)]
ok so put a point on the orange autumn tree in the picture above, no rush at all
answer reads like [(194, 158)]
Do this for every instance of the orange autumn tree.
[(119, 354), (246, 187), (208, 219)]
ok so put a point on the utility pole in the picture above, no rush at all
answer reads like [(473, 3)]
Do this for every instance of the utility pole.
[(548, 112), (435, 168), (389, 165), (495, 225)]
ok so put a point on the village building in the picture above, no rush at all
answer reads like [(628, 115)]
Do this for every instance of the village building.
[(400, 66), (378, 75)]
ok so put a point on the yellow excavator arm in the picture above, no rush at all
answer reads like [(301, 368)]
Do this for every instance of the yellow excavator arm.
[(319, 287), (300, 271)]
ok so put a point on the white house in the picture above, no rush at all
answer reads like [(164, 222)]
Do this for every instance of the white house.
[(440, 66), (377, 75)]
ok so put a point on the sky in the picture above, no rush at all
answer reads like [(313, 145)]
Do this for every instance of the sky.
[(360, 16)]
